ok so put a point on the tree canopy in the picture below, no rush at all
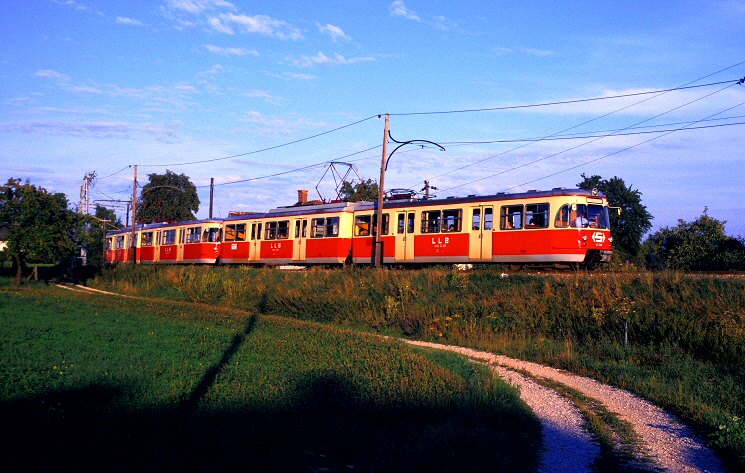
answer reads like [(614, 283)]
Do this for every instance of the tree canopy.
[(630, 224), (700, 245), (38, 225), (363, 190), (168, 197)]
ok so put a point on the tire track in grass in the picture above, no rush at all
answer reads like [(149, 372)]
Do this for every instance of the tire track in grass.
[(670, 445)]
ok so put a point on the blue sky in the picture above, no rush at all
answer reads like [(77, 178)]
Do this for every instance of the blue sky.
[(231, 91)]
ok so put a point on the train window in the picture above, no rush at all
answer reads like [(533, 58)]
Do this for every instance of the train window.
[(317, 227), (108, 244), (451, 220), (410, 223), (169, 237), (193, 234), (321, 227), (283, 230), (476, 219), (594, 216), (536, 215), (211, 234), (120, 242), (563, 217), (488, 219), (271, 231), (332, 226), (237, 232), (511, 217), (147, 239), (362, 225), (431, 221), (401, 224)]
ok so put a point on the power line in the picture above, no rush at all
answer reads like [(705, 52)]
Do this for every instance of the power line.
[(619, 151), (601, 137)]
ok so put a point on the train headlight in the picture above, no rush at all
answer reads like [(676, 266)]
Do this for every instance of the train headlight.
[(594, 191), (584, 237), (610, 239)]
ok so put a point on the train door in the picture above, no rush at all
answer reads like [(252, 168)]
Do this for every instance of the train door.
[(180, 246), (482, 225), (254, 253), (404, 236), (300, 233)]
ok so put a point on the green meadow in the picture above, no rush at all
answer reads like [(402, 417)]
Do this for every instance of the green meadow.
[(676, 339), (91, 382)]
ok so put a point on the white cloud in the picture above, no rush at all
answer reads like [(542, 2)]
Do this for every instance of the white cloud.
[(128, 21), (93, 129), (198, 6), (50, 74), (529, 51), (230, 51), (216, 69), (217, 25), (397, 8), (264, 95), (321, 59), (263, 25), (334, 31)]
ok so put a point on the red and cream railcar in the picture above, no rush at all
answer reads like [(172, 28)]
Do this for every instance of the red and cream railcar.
[(534, 228), (557, 227), (307, 234), (193, 242)]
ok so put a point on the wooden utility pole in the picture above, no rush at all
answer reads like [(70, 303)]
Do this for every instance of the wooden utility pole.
[(212, 193), (381, 193), (132, 242)]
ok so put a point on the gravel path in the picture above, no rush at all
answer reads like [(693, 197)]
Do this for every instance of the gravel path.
[(567, 447)]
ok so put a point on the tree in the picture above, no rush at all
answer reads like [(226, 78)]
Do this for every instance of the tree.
[(168, 197), (629, 226), (700, 245), (363, 190), (38, 225)]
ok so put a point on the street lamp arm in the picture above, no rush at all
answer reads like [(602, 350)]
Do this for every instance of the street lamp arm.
[(403, 143)]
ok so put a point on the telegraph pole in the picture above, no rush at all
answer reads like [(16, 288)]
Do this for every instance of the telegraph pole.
[(212, 193), (132, 242), (83, 208), (381, 193)]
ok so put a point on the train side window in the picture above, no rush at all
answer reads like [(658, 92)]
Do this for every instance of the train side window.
[(431, 221), (317, 227), (169, 237), (258, 232), (108, 244), (410, 223), (451, 220), (147, 239), (120, 242), (332, 226), (193, 234), (386, 223), (536, 215), (563, 217), (271, 231), (283, 229), (476, 219), (511, 217), (237, 232), (362, 225)]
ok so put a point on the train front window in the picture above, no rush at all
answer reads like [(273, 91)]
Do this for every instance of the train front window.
[(211, 234), (584, 216)]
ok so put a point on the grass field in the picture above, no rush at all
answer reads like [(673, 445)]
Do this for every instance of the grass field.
[(685, 332), (98, 383)]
